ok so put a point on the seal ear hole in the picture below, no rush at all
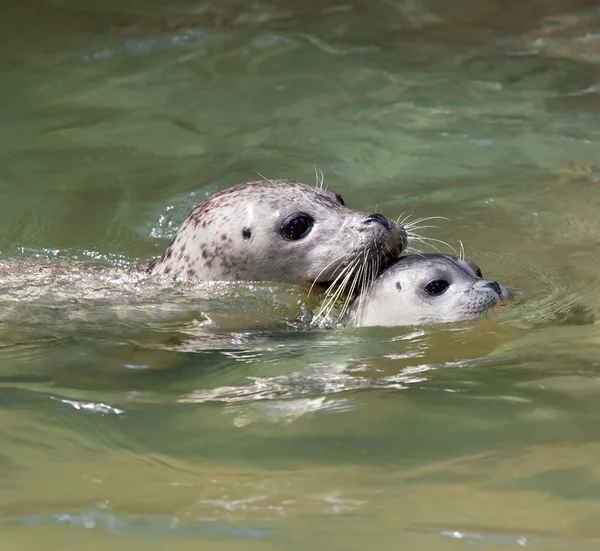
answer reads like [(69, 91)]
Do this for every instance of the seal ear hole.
[(478, 273), (297, 227), (340, 200), (246, 234), (398, 286), (437, 287)]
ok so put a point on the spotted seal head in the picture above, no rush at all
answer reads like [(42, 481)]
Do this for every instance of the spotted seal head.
[(427, 288), (281, 231)]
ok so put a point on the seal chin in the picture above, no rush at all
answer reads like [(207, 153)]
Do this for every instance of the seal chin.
[(382, 242), (322, 286)]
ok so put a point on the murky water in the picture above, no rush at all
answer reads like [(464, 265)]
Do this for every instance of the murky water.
[(134, 415)]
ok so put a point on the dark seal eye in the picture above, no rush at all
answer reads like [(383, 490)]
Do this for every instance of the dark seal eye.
[(478, 273), (437, 287), (297, 227), (339, 199)]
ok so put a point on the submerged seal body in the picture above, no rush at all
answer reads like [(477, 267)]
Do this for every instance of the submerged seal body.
[(427, 288), (281, 231)]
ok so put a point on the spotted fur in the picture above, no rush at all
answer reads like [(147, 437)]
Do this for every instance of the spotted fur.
[(235, 234)]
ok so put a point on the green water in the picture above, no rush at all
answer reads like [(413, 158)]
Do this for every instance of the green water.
[(128, 420)]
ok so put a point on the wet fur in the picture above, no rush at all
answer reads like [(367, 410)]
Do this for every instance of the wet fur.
[(234, 235), (397, 296)]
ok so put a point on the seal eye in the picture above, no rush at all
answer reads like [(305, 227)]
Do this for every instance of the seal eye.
[(339, 199), (297, 227), (437, 287), (478, 273)]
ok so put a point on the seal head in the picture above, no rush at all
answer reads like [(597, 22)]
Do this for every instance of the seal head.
[(427, 288), (282, 231)]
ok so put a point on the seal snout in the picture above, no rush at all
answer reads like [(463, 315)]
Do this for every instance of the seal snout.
[(496, 287), (379, 218), (503, 293)]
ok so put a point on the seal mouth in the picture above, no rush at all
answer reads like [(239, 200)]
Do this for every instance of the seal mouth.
[(356, 272), (322, 286)]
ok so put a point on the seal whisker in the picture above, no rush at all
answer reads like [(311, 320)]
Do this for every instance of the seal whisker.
[(425, 242), (322, 315), (427, 239), (415, 236), (329, 303), (373, 270), (349, 277), (341, 274), (363, 284), (413, 228), (367, 282), (264, 178), (320, 178), (412, 237), (366, 273), (404, 220), (368, 269), (349, 272), (425, 219), (417, 252), (339, 261), (350, 293)]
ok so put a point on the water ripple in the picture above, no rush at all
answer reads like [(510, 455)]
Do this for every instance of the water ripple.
[(90, 406), (102, 520), (152, 45)]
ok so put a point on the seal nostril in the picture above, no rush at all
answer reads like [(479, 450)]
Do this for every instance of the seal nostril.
[(495, 286), (378, 218)]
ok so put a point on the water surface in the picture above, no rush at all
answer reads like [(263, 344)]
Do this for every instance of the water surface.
[(134, 416)]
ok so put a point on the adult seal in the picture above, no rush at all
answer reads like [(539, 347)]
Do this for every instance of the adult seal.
[(427, 288), (281, 231)]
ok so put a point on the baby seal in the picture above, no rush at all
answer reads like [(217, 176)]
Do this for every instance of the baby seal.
[(427, 288), (281, 231)]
